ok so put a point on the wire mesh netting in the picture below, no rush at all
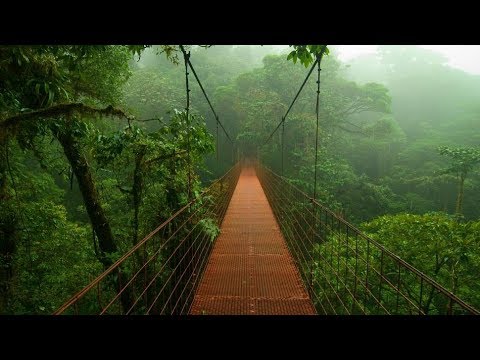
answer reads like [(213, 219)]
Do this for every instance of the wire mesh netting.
[(161, 273), (345, 271)]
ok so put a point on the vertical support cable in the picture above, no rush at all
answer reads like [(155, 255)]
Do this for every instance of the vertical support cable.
[(177, 258), (317, 108), (186, 58)]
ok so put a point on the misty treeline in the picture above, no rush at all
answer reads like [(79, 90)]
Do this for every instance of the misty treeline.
[(93, 154)]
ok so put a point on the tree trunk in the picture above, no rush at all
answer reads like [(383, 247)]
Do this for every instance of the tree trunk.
[(438, 266), (95, 211), (90, 194), (458, 209)]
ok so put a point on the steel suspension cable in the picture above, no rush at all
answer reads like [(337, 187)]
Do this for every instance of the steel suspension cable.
[(204, 93), (187, 108), (340, 240), (317, 111), (296, 96), (316, 133)]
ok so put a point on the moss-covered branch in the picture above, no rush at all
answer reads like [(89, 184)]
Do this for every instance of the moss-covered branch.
[(165, 157), (62, 110)]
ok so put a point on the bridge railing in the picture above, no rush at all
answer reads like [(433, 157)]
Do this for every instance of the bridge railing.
[(345, 271), (161, 273)]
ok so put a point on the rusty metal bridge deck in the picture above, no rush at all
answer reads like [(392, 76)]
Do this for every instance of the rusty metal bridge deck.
[(250, 270)]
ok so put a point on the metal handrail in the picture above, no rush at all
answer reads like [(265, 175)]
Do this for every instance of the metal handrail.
[(143, 242), (353, 230)]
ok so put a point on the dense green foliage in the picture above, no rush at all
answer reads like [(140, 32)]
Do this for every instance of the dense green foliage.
[(74, 185), (435, 105), (374, 157), (436, 243), (93, 156)]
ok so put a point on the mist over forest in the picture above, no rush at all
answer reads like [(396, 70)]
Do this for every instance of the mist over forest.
[(93, 143)]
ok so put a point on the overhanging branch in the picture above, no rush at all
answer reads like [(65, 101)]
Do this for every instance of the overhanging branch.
[(165, 157), (62, 109)]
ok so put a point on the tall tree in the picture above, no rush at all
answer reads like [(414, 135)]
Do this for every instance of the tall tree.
[(463, 161), (46, 88)]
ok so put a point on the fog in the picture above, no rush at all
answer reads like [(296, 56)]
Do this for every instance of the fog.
[(464, 57), (101, 144)]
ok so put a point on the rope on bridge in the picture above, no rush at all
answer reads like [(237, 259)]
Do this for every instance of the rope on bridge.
[(317, 111), (251, 271), (188, 63), (159, 275), (295, 99), (318, 59), (186, 57), (352, 273), (344, 279), (345, 271)]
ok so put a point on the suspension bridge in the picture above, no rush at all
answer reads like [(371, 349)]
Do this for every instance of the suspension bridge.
[(279, 251)]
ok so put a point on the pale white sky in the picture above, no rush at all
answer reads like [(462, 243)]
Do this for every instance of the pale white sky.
[(465, 57)]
